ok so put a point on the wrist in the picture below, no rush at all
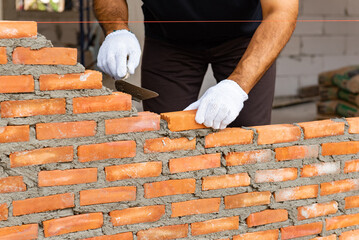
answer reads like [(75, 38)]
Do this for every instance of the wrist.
[(118, 28)]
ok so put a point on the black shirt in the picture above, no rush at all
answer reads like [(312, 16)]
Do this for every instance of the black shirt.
[(201, 34)]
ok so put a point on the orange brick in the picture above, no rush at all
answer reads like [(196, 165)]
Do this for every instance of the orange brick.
[(45, 131), (181, 121), (122, 236), (320, 169), (102, 151), (331, 237), (12, 184), (81, 222), (226, 181), (42, 156), (276, 175), (229, 136), (169, 187), (351, 202), (349, 235), (134, 170), (353, 125), (267, 235), (342, 221), (115, 102), (277, 134), (195, 163), (340, 148), (67, 177), (267, 217), (164, 233), (250, 157), (340, 186), (302, 192), (137, 215), (45, 56), (198, 206), (14, 134), (23, 232), (324, 128), (88, 80), (215, 225), (301, 230), (296, 152), (247, 200), (317, 210), (4, 212), (107, 195), (17, 29), (3, 56), (168, 145), (351, 166), (43, 204), (27, 108), (16, 84), (144, 122)]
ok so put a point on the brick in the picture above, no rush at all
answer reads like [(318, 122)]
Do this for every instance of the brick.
[(267, 217), (4, 212), (46, 131), (10, 134), (249, 157), (107, 195), (267, 235), (198, 206), (351, 166), (327, 7), (16, 84), (17, 29), (277, 134), (168, 145), (331, 237), (45, 56), (297, 66), (134, 170), (342, 221), (115, 102), (23, 232), (353, 125), (109, 150), (341, 148), (182, 121), (144, 122), (225, 181), (3, 56), (296, 193), (340, 186), (276, 175), (77, 223), (12, 184), (215, 225), (247, 200), (164, 233), (88, 80), (137, 215), (228, 137), (351, 202), (349, 235), (195, 163), (169, 187), (296, 152), (122, 236), (323, 45), (67, 177), (41, 156), (301, 230), (323, 128), (320, 169), (43, 204), (317, 210)]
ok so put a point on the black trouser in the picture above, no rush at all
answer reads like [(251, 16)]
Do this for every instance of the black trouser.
[(177, 73)]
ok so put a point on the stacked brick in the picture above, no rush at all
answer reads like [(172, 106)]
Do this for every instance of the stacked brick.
[(77, 162)]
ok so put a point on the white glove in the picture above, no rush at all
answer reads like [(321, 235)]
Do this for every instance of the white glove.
[(220, 105), (119, 53)]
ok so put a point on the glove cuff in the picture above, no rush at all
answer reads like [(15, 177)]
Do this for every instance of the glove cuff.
[(236, 86), (120, 32)]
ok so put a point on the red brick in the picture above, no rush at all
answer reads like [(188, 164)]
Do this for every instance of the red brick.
[(181, 121), (164, 233), (145, 121), (115, 102), (14, 134), (351, 166), (342, 221), (43, 204), (23, 232), (107, 195), (81, 222), (263, 235), (168, 145), (198, 206), (16, 84), (331, 237), (67, 177), (12, 184), (27, 108), (247, 200), (137, 215), (229, 136), (317, 210), (41, 156), (349, 235), (301, 230), (277, 134), (121, 236), (109, 150), (276, 175), (296, 193), (324, 128), (267, 217), (45, 56), (296, 152), (250, 157), (353, 125), (46, 131), (17, 29), (351, 202), (340, 148), (88, 80), (4, 212), (340, 186), (225, 181), (215, 225), (3, 56), (320, 169), (169, 187), (195, 163), (134, 170)]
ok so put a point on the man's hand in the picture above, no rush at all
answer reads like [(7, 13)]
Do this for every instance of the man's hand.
[(220, 105)]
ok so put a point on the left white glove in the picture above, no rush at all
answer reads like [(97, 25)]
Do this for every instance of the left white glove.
[(220, 105)]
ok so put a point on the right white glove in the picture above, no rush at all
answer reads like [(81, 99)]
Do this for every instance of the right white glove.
[(119, 53)]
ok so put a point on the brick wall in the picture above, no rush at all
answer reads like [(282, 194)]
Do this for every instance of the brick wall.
[(79, 162)]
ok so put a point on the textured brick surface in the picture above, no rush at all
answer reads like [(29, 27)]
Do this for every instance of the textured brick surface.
[(16, 84), (45, 56)]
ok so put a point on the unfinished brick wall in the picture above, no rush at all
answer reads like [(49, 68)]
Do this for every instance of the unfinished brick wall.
[(78, 162)]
